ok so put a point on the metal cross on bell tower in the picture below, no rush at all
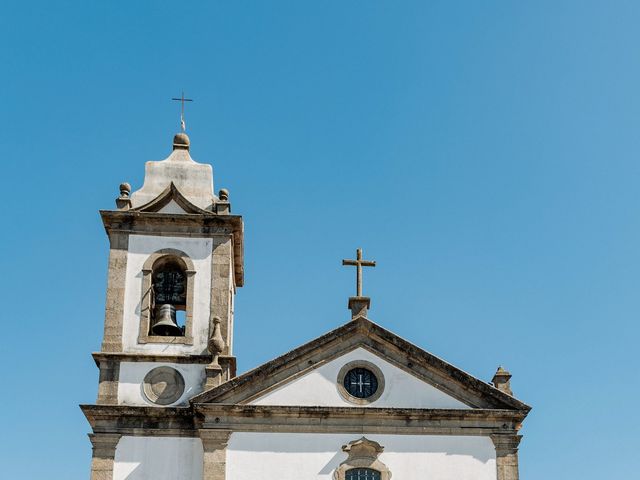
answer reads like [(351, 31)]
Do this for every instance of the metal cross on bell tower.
[(182, 100), (359, 304)]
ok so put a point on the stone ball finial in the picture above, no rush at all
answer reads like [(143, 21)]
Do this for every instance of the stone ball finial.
[(181, 141), (223, 195), (125, 190)]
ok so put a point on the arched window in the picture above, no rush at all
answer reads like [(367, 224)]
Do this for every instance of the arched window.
[(166, 306), (362, 474)]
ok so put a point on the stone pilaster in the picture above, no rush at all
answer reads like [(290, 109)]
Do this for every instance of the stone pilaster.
[(108, 386), (114, 309), (221, 288), (214, 443), (104, 452), (507, 455)]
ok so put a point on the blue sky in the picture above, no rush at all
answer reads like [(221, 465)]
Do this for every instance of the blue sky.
[(484, 153)]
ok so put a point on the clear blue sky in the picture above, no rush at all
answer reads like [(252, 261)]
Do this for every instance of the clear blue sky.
[(484, 153)]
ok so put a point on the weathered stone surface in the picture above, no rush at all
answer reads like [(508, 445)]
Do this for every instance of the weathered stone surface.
[(214, 443), (103, 454)]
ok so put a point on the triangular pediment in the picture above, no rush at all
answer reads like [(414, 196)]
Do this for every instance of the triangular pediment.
[(171, 200), (311, 375)]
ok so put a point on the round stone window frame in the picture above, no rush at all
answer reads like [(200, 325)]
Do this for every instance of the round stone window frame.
[(360, 364), (158, 373)]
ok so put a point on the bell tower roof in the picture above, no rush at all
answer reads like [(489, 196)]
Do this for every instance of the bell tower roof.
[(194, 180)]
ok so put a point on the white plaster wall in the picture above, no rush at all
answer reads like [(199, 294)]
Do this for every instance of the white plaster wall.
[(140, 248), (319, 387), (158, 458), (172, 207), (132, 375), (295, 456)]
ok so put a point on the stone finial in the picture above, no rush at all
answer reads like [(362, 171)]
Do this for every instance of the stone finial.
[(502, 381), (222, 206), (181, 141), (213, 371), (216, 342), (125, 190), (123, 202)]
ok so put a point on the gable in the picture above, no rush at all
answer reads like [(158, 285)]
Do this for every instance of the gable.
[(171, 200), (320, 387), (360, 333)]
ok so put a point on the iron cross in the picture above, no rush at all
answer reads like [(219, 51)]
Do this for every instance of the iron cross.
[(360, 383), (182, 100), (359, 263)]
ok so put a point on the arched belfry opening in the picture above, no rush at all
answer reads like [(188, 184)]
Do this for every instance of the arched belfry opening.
[(168, 296), (166, 304)]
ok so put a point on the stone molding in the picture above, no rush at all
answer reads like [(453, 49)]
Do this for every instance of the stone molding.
[(255, 418), (362, 453), (204, 359), (130, 420), (103, 454), (145, 299)]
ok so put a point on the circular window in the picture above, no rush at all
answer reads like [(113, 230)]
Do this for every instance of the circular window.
[(360, 382), (163, 385)]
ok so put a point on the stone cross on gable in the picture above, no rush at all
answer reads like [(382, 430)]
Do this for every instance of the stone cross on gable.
[(359, 263)]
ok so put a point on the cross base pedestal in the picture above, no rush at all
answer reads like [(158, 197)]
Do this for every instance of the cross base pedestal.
[(359, 306)]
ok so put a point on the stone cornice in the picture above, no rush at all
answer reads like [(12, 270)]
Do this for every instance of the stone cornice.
[(186, 225), (159, 357), (186, 421), (129, 420), (357, 419)]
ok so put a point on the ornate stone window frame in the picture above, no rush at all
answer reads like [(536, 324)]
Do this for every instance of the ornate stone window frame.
[(145, 301), (362, 453), (360, 364)]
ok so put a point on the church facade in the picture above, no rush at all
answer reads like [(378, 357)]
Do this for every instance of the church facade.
[(358, 403)]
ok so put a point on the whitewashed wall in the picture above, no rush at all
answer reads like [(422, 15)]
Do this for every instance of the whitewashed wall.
[(296, 456), (158, 458), (319, 387), (132, 375), (140, 248)]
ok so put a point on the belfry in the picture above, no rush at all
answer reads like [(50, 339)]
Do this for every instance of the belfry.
[(357, 403)]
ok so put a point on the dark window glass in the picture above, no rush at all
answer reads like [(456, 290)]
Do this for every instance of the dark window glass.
[(362, 474), (360, 382)]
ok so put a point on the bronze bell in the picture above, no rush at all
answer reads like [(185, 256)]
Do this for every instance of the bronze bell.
[(166, 325)]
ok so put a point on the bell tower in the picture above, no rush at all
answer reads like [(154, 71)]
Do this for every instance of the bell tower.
[(175, 262)]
